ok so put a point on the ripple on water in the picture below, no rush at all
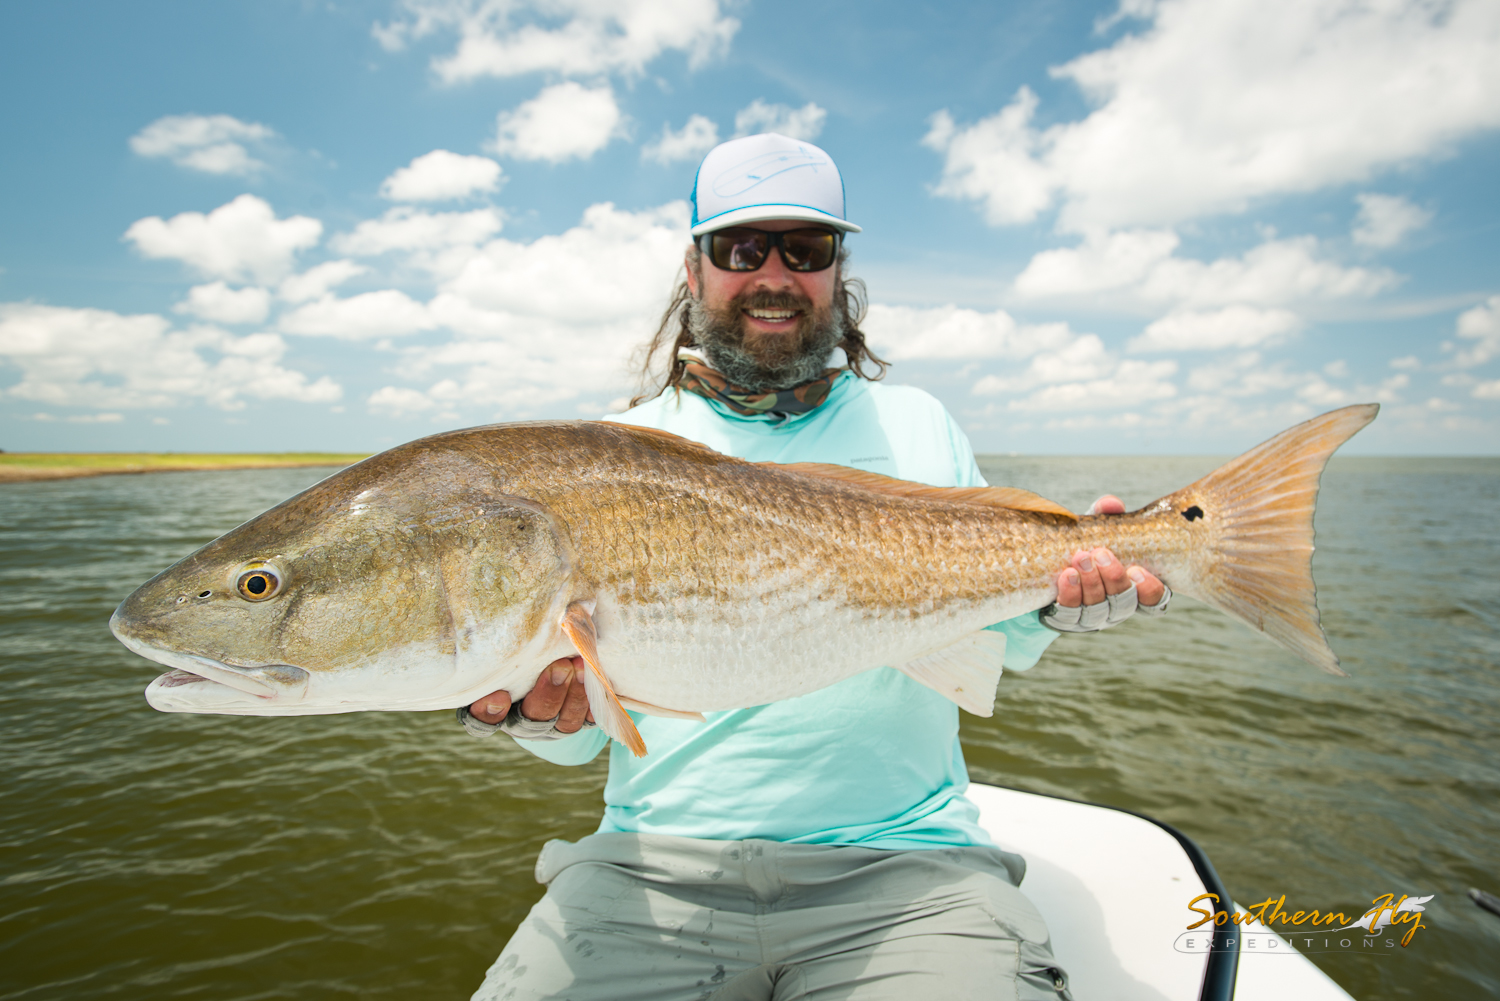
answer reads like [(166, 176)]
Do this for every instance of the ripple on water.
[(148, 855)]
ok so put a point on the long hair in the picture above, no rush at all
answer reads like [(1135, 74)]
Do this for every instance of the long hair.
[(673, 334)]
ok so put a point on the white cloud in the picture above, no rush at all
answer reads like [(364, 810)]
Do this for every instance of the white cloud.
[(799, 123), (317, 281), (241, 240), (1063, 371), (1104, 262), (1221, 102), (1140, 266), (218, 303), (574, 37), (542, 322), (100, 359), (398, 401), (1487, 390), (901, 333), (1231, 327), (1132, 384), (564, 122), (409, 229), (442, 176), (385, 313), (1385, 220), (697, 137), (1482, 325), (79, 418), (213, 144), (1222, 384)]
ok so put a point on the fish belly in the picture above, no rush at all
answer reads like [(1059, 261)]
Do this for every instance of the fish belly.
[(707, 656)]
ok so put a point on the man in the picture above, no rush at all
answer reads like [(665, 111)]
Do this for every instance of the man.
[(819, 847)]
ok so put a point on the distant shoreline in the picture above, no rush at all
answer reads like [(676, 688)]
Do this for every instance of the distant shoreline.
[(30, 467)]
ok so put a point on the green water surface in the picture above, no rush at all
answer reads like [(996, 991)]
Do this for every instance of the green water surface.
[(145, 855)]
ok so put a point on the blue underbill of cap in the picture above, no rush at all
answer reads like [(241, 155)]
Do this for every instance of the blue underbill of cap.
[(768, 212)]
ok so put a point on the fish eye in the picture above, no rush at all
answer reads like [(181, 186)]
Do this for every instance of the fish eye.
[(258, 582)]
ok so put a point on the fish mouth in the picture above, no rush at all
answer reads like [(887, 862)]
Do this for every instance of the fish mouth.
[(202, 681)]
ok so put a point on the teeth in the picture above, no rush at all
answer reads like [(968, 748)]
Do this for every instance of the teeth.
[(772, 314)]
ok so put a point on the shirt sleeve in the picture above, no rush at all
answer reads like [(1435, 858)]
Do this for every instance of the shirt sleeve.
[(1026, 639), (575, 749)]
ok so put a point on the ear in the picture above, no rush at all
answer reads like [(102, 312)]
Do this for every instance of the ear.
[(692, 273)]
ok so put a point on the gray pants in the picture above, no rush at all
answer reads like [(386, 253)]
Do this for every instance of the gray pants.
[(660, 918)]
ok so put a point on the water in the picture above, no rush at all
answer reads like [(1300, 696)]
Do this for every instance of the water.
[(145, 855)]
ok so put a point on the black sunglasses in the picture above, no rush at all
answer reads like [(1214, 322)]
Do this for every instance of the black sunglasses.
[(741, 249)]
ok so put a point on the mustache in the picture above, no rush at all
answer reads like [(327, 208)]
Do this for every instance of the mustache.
[(766, 299)]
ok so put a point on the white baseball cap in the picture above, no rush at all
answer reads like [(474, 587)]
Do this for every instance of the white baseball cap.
[(769, 176)]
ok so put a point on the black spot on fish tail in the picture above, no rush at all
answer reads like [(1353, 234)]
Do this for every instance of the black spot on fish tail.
[(1193, 513)]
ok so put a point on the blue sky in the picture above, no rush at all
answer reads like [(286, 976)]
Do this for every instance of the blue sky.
[(1172, 226)]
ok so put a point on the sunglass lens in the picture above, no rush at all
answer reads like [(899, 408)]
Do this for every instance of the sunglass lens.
[(739, 249), (809, 249)]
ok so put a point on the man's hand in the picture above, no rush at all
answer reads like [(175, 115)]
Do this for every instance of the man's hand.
[(1095, 574), (558, 694)]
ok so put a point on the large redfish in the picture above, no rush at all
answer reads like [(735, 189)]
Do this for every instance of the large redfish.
[(689, 581)]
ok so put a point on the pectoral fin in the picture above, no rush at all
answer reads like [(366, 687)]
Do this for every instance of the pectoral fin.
[(966, 671), (578, 624), (650, 710)]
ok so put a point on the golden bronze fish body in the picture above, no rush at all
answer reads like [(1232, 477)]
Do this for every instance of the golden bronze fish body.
[(463, 563)]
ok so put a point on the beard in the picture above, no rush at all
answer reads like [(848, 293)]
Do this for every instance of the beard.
[(766, 361)]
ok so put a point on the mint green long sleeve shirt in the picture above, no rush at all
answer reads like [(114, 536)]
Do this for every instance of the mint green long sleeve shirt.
[(873, 760)]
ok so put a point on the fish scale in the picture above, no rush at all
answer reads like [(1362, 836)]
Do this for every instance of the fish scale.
[(689, 581)]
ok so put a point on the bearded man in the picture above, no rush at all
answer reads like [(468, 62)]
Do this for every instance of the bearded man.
[(819, 847)]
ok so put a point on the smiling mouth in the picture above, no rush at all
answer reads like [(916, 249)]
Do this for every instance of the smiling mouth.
[(773, 315)]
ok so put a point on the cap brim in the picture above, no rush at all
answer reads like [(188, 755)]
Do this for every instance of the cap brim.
[(769, 213)]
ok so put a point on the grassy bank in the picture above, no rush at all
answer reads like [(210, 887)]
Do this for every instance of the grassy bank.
[(22, 466)]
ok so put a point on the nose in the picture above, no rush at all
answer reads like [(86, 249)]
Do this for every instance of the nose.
[(774, 275)]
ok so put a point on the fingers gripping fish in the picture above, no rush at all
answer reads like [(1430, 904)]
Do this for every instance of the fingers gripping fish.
[(689, 581)]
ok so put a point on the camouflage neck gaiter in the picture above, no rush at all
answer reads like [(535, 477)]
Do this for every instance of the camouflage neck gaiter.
[(800, 399)]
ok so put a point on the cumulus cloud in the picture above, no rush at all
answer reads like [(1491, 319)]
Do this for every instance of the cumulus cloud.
[(1385, 220), (104, 360), (694, 139), (1141, 265), (241, 240), (372, 315), (317, 281), (799, 123), (1231, 327), (1482, 326), (218, 303), (901, 333), (214, 144), (551, 320), (1049, 368), (79, 418), (442, 176), (566, 121), (399, 401), (505, 38), (1220, 102), (409, 229), (1218, 388)]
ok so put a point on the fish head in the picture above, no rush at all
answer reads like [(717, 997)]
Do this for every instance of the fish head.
[(403, 583)]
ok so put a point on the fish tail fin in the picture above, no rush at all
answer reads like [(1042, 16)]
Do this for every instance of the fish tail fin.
[(1259, 509)]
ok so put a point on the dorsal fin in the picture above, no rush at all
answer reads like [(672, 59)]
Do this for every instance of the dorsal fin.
[(1006, 497)]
